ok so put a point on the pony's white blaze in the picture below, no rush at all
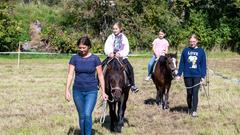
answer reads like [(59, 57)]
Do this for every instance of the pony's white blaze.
[(174, 60)]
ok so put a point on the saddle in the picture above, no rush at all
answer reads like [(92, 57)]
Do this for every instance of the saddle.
[(155, 62), (154, 65)]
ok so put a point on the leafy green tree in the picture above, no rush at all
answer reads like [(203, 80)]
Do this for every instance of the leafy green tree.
[(215, 21), (9, 29)]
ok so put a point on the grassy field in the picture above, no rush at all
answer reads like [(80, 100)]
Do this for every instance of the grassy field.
[(32, 101)]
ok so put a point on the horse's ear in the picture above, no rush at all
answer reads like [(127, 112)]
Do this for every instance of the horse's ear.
[(109, 67), (175, 54), (167, 55), (123, 67)]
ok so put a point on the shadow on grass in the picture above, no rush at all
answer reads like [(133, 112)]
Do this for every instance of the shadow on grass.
[(180, 109), (76, 131), (150, 101), (106, 123)]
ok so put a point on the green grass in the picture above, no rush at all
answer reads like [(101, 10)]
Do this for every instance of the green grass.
[(32, 102), (35, 56)]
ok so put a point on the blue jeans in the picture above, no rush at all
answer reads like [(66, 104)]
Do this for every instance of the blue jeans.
[(150, 65), (85, 103)]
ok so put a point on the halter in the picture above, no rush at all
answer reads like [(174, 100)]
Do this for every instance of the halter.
[(120, 62), (119, 90), (175, 66)]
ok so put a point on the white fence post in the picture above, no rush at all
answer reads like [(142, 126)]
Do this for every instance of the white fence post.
[(19, 51)]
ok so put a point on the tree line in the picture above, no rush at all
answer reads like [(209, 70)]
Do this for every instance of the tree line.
[(215, 21)]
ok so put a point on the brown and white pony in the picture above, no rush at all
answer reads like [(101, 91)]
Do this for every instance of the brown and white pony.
[(163, 74)]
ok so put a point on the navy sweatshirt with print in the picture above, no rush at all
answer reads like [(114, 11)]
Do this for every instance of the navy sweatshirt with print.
[(192, 63)]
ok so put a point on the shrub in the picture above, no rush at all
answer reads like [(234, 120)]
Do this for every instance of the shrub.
[(198, 24), (9, 29)]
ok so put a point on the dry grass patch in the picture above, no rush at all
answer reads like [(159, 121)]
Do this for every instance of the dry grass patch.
[(33, 102)]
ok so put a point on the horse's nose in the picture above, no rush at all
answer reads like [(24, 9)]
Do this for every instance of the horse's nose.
[(116, 93), (175, 71)]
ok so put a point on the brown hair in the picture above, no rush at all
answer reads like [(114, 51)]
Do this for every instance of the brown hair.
[(85, 41), (194, 36), (162, 30), (119, 24)]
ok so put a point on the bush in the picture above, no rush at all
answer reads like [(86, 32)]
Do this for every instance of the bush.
[(63, 40), (9, 29)]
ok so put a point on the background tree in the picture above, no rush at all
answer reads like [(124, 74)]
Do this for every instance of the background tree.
[(215, 21), (9, 29)]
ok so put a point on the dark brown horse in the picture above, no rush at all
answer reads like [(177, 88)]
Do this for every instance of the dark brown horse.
[(162, 76), (117, 89)]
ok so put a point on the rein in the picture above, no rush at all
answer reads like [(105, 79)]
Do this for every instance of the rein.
[(117, 60)]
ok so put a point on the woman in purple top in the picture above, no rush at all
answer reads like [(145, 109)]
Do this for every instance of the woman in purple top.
[(85, 88)]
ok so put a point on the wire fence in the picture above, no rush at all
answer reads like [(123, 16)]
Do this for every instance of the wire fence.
[(46, 53), (19, 53)]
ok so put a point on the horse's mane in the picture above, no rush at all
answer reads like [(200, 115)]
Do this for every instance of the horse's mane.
[(115, 64), (163, 61), (172, 55)]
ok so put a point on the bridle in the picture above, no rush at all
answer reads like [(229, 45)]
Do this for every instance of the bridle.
[(173, 69), (113, 89)]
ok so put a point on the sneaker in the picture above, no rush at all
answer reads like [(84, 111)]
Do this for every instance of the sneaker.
[(194, 114), (134, 89), (148, 78)]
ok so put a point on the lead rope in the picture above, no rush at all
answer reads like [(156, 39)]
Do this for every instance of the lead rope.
[(203, 87), (207, 94), (103, 116), (104, 106), (194, 85)]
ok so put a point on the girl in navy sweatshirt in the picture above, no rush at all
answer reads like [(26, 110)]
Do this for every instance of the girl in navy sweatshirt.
[(193, 67)]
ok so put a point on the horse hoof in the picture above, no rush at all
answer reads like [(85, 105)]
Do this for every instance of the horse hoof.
[(112, 130), (121, 123), (158, 103), (119, 129), (167, 109)]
